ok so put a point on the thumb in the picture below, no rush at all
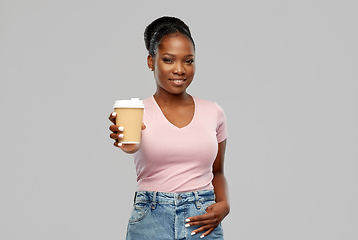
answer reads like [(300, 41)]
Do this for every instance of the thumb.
[(209, 209)]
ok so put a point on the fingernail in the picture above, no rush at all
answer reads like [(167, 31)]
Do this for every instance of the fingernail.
[(187, 220), (114, 114), (202, 236), (120, 129), (119, 144), (120, 135), (193, 233), (187, 225)]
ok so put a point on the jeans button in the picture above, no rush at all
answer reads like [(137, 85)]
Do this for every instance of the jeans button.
[(179, 198)]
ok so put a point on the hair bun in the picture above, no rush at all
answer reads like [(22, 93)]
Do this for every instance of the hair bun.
[(160, 27)]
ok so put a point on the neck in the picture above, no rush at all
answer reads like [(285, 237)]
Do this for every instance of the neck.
[(172, 99)]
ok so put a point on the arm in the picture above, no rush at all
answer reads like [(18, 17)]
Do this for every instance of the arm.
[(217, 211), (219, 180)]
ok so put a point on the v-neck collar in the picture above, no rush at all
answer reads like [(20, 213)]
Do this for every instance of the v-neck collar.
[(165, 118)]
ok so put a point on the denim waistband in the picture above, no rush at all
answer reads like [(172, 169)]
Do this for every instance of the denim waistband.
[(174, 198)]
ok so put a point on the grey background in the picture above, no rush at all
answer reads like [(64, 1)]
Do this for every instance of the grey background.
[(285, 72)]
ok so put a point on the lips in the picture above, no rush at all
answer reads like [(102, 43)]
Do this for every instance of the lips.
[(179, 80)]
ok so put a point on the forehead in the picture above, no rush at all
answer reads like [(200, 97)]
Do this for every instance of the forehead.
[(176, 43)]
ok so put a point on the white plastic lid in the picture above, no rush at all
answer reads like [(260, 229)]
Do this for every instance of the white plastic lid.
[(133, 103)]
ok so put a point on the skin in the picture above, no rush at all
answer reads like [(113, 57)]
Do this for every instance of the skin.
[(175, 59)]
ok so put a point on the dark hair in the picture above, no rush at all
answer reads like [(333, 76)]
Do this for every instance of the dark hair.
[(161, 27)]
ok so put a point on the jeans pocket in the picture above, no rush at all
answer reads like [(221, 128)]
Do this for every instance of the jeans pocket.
[(206, 204), (140, 211)]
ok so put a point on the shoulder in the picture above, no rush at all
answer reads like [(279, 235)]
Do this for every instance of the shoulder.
[(206, 104), (203, 102), (150, 107), (148, 102)]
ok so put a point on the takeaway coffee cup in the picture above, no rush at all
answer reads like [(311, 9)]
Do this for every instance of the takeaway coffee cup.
[(130, 116)]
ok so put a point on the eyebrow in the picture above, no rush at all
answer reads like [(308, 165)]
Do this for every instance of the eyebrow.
[(172, 55)]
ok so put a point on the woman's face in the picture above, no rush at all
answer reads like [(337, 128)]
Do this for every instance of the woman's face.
[(173, 65)]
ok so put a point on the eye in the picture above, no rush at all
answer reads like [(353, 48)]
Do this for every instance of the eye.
[(189, 61), (167, 60)]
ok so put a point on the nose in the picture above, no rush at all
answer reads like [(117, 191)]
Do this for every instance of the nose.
[(179, 69)]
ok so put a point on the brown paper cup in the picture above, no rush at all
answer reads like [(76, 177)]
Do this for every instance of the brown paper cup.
[(130, 117)]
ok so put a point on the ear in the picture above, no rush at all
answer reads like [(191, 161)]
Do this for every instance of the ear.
[(150, 62)]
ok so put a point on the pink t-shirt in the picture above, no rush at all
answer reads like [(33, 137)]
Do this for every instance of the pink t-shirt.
[(173, 159)]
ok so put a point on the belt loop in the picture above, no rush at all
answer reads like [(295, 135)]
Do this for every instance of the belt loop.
[(197, 202), (135, 197), (154, 200)]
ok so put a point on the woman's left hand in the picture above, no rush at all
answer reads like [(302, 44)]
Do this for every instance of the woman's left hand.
[(215, 213)]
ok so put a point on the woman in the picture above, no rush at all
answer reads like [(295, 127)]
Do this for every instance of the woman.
[(181, 187)]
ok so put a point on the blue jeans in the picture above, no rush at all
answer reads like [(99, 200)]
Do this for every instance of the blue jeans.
[(161, 216)]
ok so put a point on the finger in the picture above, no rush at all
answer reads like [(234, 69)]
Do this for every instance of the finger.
[(116, 136), (115, 128), (126, 147), (207, 233), (207, 223), (118, 145), (112, 117), (200, 218), (207, 229), (143, 126)]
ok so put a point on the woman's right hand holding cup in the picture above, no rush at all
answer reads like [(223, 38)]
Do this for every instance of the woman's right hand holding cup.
[(117, 135)]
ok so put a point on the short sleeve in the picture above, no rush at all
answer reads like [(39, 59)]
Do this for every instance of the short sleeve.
[(221, 126)]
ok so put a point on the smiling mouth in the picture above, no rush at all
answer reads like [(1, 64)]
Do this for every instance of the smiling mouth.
[(178, 80)]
